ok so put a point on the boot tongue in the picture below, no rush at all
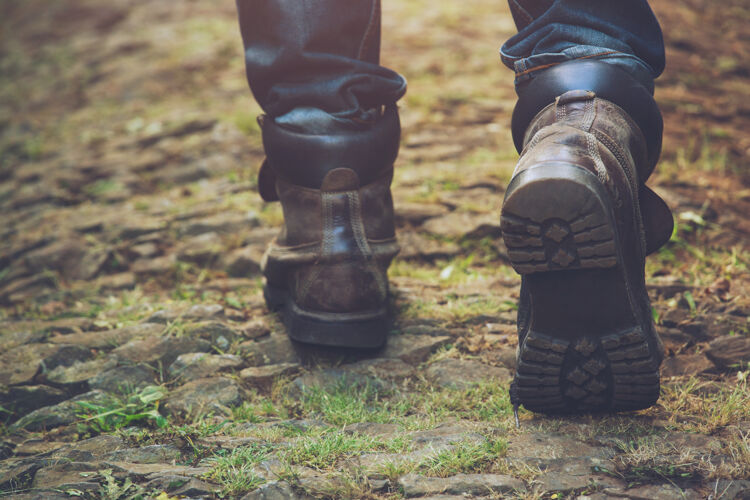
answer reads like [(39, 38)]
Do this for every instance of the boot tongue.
[(658, 223), (340, 179), (267, 182)]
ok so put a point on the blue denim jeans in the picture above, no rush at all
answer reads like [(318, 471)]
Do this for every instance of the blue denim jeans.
[(315, 63), (620, 32)]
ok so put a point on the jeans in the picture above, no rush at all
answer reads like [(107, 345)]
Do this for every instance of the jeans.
[(315, 63)]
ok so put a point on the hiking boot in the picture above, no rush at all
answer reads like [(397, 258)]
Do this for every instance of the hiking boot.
[(326, 272), (578, 223)]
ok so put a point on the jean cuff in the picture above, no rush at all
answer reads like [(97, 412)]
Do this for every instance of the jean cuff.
[(525, 68)]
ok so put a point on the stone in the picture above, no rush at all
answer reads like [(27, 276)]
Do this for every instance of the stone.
[(263, 377), (275, 349), (204, 312), (444, 497), (79, 372), (157, 266), (43, 494), (26, 289), (18, 474), (567, 474), (110, 338), (653, 492), (64, 413), (378, 484), (385, 368), (733, 489), (23, 399), (204, 395), (37, 446), (729, 351), (90, 264), (418, 246), (688, 440), (182, 174), (65, 326), (255, 328), (182, 486), (244, 262), (152, 454), (11, 337), (274, 490), (685, 364), (674, 339), (123, 378), (540, 448), (21, 364), (195, 365), (63, 256), (317, 484), (224, 223), (159, 349), (202, 250), (505, 356), (333, 377), (198, 312), (413, 349), (97, 446), (462, 373), (132, 227), (227, 442), (416, 213), (444, 435), (144, 250), (667, 286), (414, 485), (219, 334), (118, 281), (371, 429), (464, 225), (139, 472), (67, 476)]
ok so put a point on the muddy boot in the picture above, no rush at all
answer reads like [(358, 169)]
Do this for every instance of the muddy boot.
[(326, 271), (578, 223)]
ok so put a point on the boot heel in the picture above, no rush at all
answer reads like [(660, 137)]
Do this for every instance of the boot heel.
[(555, 218), (365, 330)]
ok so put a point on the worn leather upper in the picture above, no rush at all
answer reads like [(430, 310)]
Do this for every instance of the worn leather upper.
[(338, 237)]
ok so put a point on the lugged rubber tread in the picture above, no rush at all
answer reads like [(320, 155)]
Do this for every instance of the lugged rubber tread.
[(545, 241), (588, 380)]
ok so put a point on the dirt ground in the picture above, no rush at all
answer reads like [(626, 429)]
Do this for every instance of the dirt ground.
[(137, 358)]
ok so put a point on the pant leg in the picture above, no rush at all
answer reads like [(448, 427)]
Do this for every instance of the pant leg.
[(316, 56), (621, 32)]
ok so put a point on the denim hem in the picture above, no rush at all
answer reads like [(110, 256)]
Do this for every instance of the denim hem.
[(526, 67)]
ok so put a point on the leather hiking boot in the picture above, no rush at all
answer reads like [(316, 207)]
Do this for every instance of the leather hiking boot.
[(326, 272), (578, 222)]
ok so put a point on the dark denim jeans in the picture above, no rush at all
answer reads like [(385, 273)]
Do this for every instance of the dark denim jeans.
[(315, 63)]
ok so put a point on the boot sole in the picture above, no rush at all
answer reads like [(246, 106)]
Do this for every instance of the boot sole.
[(587, 349), (365, 330)]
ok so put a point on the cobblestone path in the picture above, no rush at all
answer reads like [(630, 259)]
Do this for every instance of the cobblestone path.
[(137, 358)]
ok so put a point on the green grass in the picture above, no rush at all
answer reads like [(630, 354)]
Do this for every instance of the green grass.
[(706, 407), (465, 457), (258, 410), (347, 403), (323, 451), (116, 412), (233, 470)]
